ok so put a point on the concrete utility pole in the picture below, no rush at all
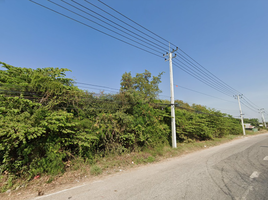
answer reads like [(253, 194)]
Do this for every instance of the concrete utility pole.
[(241, 114), (173, 125), (263, 120)]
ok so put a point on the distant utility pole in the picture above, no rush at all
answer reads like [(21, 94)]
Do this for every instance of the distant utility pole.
[(241, 114), (263, 120), (173, 125)]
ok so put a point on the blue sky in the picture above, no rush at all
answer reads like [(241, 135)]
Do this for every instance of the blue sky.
[(228, 37)]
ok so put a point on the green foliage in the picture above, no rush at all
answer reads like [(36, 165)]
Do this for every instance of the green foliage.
[(150, 159), (120, 132), (207, 125), (46, 122), (253, 121), (47, 86), (191, 126), (37, 140), (143, 83), (95, 170)]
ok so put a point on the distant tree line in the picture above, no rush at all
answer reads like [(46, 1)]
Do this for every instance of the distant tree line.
[(254, 122)]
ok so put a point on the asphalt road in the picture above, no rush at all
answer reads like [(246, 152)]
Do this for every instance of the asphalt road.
[(235, 170)]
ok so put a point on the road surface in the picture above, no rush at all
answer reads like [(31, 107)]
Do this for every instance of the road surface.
[(237, 170)]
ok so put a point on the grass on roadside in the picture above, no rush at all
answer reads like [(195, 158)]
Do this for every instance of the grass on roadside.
[(79, 170)]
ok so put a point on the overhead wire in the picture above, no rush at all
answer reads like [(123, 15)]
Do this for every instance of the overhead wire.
[(103, 26), (97, 89), (231, 90), (120, 34), (75, 84), (135, 23), (209, 74), (191, 73), (96, 29), (192, 69), (204, 74), (17, 92), (97, 86), (202, 93), (196, 111), (167, 42), (204, 78), (95, 100), (250, 105), (235, 91), (112, 25), (117, 23)]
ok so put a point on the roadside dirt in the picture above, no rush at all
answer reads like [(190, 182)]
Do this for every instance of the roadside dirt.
[(45, 185)]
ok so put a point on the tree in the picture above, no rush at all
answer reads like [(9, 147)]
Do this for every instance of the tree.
[(253, 121), (182, 104), (43, 85), (39, 132), (143, 83)]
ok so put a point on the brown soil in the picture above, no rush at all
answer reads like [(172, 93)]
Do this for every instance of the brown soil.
[(110, 165)]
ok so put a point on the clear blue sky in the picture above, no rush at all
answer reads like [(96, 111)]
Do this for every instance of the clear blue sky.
[(228, 37)]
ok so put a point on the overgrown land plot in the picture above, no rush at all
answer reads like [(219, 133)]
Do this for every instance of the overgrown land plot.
[(48, 124)]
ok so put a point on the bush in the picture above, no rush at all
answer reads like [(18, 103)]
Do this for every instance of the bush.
[(35, 140), (211, 124), (47, 122)]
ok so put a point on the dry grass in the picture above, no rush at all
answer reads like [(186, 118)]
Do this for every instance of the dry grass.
[(80, 172)]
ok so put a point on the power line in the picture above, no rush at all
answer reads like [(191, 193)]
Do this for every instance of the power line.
[(202, 93), (246, 102), (97, 86), (117, 23), (211, 79), (183, 88), (161, 49), (200, 72), (250, 102), (104, 26), (249, 107), (229, 87), (197, 112), (206, 79), (97, 89), (199, 78), (135, 23), (209, 72), (75, 83), (95, 29), (108, 29), (17, 92)]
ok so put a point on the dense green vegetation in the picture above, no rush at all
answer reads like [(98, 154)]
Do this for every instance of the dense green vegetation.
[(253, 122), (46, 121)]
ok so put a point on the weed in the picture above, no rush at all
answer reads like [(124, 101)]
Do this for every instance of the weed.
[(150, 159), (50, 180), (8, 184), (77, 163), (95, 170)]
